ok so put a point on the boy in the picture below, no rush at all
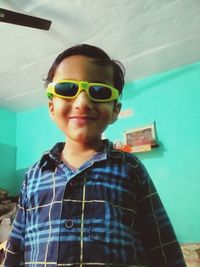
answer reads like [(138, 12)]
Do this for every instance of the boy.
[(85, 203)]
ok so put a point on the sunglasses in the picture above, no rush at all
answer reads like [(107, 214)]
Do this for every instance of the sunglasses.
[(69, 89)]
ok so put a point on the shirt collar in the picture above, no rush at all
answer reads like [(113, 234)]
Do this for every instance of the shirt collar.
[(52, 156)]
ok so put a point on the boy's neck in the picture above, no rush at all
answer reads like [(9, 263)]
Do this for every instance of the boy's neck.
[(74, 146), (77, 153)]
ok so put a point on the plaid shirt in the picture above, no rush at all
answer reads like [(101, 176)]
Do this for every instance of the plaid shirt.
[(106, 213)]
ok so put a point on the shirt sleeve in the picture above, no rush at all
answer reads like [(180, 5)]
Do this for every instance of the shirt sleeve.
[(14, 252), (158, 237)]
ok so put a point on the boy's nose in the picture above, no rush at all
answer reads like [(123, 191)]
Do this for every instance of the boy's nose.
[(82, 101)]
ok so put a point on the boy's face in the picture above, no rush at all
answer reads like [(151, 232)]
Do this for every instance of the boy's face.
[(81, 119)]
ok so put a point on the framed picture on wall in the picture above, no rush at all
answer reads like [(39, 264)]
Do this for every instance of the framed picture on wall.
[(142, 138)]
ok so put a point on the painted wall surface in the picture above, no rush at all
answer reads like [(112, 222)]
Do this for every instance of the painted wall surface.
[(8, 151), (36, 133), (8, 127), (8, 169), (172, 100)]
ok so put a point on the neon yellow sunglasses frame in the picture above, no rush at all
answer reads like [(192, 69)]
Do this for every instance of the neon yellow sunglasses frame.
[(82, 86)]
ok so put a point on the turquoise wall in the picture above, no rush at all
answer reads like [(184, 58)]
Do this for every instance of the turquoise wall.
[(8, 151), (8, 127), (35, 134), (172, 100)]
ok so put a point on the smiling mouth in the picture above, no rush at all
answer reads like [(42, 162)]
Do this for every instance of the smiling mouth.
[(82, 118)]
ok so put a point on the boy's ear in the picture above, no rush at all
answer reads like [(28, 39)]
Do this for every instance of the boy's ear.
[(116, 111), (51, 108)]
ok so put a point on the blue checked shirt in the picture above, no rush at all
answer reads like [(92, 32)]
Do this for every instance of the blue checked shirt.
[(106, 213)]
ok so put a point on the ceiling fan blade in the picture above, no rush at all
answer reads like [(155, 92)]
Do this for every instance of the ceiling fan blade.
[(24, 20)]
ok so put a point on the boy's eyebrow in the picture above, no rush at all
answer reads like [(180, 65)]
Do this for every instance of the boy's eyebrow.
[(97, 81), (103, 82), (100, 81), (91, 81)]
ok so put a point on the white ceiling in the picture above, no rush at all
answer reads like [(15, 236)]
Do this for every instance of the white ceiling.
[(148, 36)]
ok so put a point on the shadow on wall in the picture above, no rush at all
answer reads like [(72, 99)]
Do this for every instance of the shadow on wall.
[(8, 168), (157, 152)]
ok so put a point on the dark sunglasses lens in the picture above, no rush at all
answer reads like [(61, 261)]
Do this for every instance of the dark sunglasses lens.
[(100, 92), (66, 89)]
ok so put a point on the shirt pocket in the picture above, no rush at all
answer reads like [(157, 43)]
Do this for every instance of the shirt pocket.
[(112, 224)]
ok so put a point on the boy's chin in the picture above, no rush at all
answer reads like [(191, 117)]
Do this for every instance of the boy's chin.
[(86, 140)]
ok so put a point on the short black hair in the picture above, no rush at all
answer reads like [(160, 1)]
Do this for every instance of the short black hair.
[(94, 52)]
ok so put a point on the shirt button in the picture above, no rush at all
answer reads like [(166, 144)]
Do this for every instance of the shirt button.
[(69, 223)]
